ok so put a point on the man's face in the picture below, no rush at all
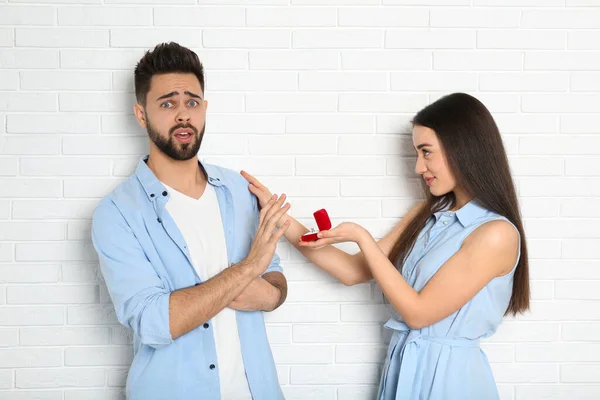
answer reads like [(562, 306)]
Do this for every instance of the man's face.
[(174, 115)]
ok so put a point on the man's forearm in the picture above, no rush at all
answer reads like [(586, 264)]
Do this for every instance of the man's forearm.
[(263, 294), (193, 306)]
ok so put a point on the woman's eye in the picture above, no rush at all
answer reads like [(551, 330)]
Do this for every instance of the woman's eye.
[(426, 153)]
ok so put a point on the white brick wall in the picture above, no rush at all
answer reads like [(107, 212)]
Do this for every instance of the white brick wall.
[(314, 97)]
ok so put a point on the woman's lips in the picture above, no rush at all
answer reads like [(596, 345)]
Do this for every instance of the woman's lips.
[(429, 181)]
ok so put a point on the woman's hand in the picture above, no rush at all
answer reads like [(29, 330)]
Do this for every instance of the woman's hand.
[(262, 193), (344, 232)]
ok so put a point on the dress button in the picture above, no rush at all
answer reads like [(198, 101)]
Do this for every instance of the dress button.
[(205, 326), (212, 366)]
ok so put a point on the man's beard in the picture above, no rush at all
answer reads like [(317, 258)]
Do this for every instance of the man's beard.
[(169, 146)]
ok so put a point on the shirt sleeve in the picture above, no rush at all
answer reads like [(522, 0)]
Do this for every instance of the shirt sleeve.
[(138, 294)]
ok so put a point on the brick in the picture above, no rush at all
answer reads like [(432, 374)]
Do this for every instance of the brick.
[(251, 38), (121, 124), (59, 209), (561, 19), (94, 394), (64, 167), (330, 124), (199, 16), (532, 166), (25, 316), (545, 186), (383, 16), (59, 378), (357, 392), (88, 273), (28, 58), (339, 38), (525, 373), (7, 37), (247, 124), (387, 102), (27, 15), (582, 166), (289, 16), (585, 82), (335, 374), (90, 187), (581, 373), (98, 356), (91, 315), (343, 81), (561, 60), (279, 334), (340, 166), (117, 377), (29, 231), (30, 144), (558, 352), (387, 60), (58, 294), (9, 80), (95, 102), (314, 354), (225, 103), (364, 313), (560, 144), (318, 292), (584, 331), (29, 358), (562, 311), (253, 81), (8, 166), (100, 59), (9, 337), (63, 80), (7, 252), (481, 60), (430, 39), (337, 333), (149, 37), (580, 102), (524, 82), (23, 273), (29, 188), (61, 37), (57, 123), (427, 2), (23, 101), (274, 166), (97, 145), (379, 145), (564, 269), (304, 313), (32, 395), (311, 392), (433, 81), (580, 124), (55, 252), (294, 60), (104, 16), (497, 353), (6, 379), (296, 102), (553, 391), (64, 336), (362, 354)]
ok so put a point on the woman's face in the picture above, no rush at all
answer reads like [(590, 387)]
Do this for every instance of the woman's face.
[(431, 161)]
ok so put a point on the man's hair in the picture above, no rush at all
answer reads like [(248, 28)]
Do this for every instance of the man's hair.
[(165, 58)]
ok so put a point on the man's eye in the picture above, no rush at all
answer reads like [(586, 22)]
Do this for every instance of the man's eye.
[(193, 103), (166, 104)]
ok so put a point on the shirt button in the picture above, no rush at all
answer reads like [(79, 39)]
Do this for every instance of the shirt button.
[(212, 366), (445, 222), (164, 193), (205, 326)]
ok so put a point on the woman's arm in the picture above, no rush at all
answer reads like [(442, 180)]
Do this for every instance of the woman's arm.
[(490, 251), (348, 269)]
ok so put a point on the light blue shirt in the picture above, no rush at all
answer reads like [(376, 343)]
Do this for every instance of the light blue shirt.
[(144, 257)]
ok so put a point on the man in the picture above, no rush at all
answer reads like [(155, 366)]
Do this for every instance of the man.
[(188, 263)]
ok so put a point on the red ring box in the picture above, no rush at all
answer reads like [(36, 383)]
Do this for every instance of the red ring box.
[(323, 222)]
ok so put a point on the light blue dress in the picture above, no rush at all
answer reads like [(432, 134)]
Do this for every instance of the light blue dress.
[(444, 360)]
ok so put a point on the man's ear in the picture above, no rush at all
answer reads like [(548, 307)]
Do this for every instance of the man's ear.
[(140, 114)]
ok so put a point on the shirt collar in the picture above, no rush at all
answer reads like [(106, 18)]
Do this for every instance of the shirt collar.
[(466, 214), (154, 188)]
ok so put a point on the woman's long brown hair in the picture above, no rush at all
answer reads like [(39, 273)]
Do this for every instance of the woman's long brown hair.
[(473, 147)]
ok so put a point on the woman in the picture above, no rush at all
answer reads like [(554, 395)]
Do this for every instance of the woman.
[(452, 268)]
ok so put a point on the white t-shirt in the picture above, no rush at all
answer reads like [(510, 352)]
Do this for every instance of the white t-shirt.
[(200, 224)]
